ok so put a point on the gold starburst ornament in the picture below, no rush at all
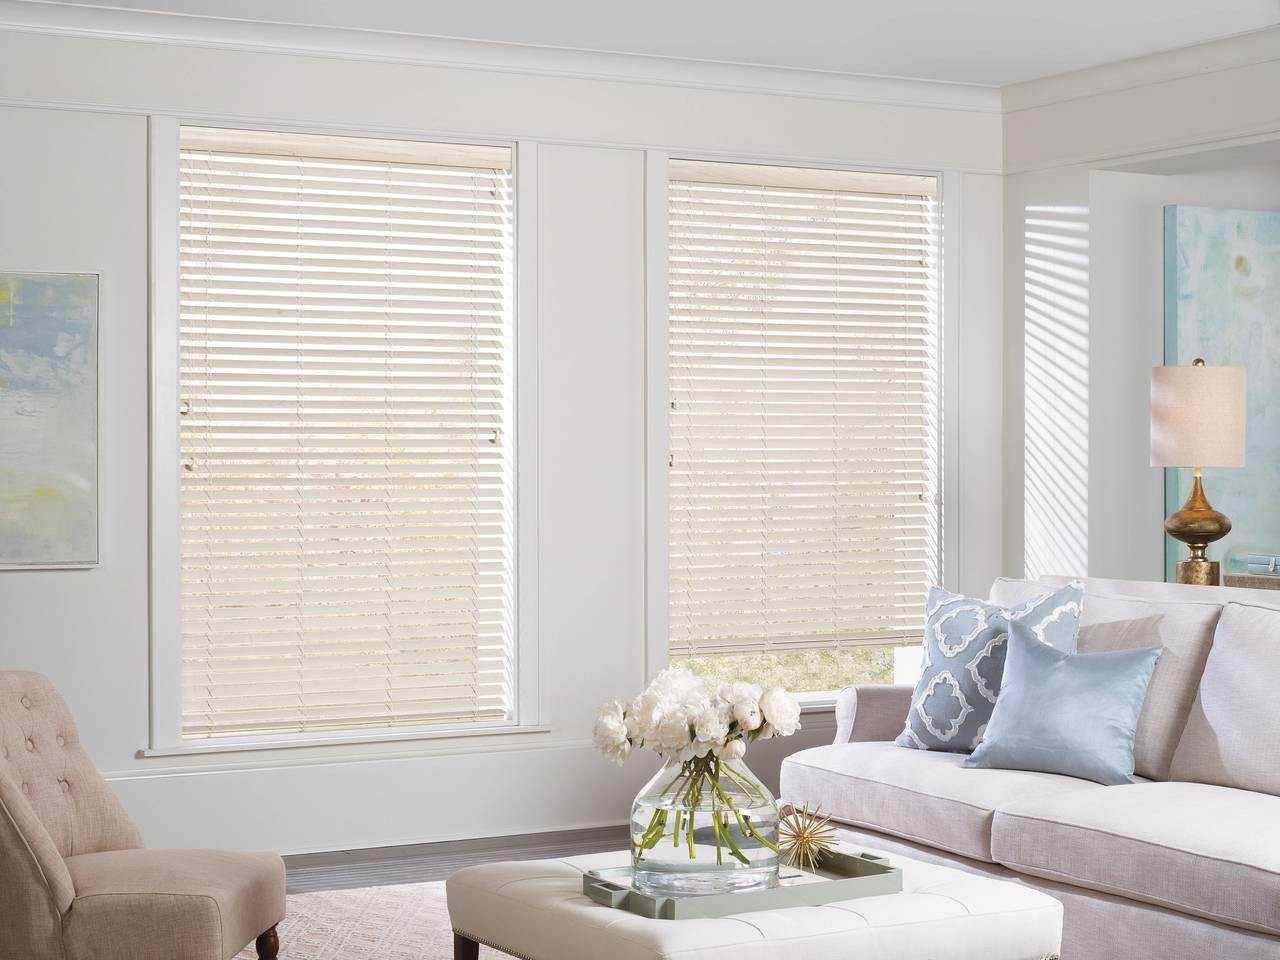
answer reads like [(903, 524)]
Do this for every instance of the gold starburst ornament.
[(804, 836)]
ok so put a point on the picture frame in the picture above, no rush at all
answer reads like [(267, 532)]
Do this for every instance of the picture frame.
[(50, 420)]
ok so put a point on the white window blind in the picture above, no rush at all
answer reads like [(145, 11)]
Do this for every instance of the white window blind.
[(804, 407), (346, 375)]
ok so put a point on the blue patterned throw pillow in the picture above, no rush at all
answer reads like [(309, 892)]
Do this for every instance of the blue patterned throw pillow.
[(965, 642)]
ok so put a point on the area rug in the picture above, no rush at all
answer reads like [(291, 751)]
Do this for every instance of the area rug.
[(405, 922)]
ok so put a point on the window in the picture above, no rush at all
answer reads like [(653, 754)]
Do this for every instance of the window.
[(346, 490), (803, 483)]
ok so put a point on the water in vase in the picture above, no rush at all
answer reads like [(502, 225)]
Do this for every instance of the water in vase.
[(704, 827)]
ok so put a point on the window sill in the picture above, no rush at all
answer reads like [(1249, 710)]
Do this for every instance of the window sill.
[(824, 702), (294, 741)]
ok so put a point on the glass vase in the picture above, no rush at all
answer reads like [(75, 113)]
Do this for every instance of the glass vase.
[(704, 826)]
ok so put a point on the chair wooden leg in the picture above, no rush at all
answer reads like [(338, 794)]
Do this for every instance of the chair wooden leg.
[(465, 949), (268, 945)]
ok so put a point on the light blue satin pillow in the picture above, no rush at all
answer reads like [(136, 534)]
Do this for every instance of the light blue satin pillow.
[(1074, 714), (964, 650)]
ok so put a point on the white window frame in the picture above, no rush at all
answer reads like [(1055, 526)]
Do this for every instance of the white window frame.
[(165, 734), (657, 346)]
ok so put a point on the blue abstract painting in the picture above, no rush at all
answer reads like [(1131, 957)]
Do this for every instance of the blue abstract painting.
[(48, 420), (1222, 303)]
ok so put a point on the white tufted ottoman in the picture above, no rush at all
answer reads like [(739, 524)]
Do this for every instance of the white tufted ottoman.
[(535, 910)]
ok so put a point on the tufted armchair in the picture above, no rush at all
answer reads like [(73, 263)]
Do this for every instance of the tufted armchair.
[(75, 883)]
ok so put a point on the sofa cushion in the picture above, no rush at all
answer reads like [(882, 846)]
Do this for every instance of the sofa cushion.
[(920, 795), (166, 904), (1189, 847), (1108, 623), (964, 651), (1232, 738), (1074, 714)]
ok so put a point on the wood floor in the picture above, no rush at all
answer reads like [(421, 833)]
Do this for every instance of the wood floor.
[(382, 866)]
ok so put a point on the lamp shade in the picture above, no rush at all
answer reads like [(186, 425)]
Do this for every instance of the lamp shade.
[(1197, 416)]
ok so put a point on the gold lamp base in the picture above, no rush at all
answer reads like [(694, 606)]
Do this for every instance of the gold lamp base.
[(1202, 572), (1197, 525)]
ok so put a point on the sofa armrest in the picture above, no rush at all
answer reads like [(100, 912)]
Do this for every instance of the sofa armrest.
[(872, 712)]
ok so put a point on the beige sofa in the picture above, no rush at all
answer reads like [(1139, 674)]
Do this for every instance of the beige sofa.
[(75, 882), (1183, 864)]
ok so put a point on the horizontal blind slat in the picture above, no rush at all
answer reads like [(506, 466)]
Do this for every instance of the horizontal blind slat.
[(346, 355), (804, 420)]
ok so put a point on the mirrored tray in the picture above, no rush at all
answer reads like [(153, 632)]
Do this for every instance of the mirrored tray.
[(838, 876)]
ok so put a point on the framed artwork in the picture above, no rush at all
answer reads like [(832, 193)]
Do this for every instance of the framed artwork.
[(48, 420), (1222, 303)]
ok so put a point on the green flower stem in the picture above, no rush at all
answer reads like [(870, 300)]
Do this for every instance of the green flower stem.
[(746, 786), (745, 823), (657, 827), (734, 850), (687, 790), (692, 855), (669, 787), (755, 833), (715, 827)]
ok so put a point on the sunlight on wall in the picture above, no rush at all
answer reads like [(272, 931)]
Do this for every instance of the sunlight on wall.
[(1056, 371)]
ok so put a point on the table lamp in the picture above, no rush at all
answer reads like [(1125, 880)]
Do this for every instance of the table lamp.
[(1197, 420)]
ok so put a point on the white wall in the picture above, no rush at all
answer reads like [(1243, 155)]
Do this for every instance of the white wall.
[(1091, 158), (1090, 502), (974, 234), (1046, 455), (75, 201), (73, 170), (1126, 299)]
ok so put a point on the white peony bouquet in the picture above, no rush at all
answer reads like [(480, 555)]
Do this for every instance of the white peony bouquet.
[(702, 734), (679, 718)]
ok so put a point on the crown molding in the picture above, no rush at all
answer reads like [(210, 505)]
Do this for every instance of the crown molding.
[(1153, 151), (54, 17), (1214, 56), (114, 23)]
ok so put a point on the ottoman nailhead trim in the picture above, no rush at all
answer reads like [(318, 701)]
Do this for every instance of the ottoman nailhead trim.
[(493, 946)]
